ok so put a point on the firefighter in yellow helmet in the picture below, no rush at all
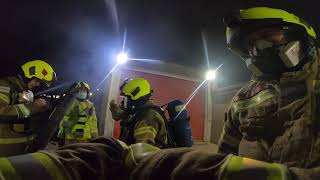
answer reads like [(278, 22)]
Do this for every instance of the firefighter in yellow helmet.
[(274, 116), (17, 104), (140, 119), (290, 152), (80, 121)]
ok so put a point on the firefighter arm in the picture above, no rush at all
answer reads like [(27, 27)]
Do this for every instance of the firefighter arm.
[(305, 174), (236, 167), (15, 111), (230, 137), (188, 164), (102, 158), (147, 128), (65, 124), (93, 123)]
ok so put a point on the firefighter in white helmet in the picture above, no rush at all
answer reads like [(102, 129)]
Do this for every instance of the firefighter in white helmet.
[(80, 122)]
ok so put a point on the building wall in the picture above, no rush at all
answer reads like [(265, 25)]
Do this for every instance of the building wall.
[(221, 103), (169, 88)]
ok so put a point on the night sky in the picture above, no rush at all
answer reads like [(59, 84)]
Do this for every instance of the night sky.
[(81, 37)]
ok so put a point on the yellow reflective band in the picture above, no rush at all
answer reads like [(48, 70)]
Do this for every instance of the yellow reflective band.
[(146, 130), (276, 172), (234, 164), (4, 98), (316, 86), (18, 127), (130, 159), (7, 170), (4, 89), (255, 100), (24, 109), (50, 165), (16, 140)]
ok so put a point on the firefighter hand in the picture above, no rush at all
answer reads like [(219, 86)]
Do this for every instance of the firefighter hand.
[(116, 111), (114, 108), (39, 105)]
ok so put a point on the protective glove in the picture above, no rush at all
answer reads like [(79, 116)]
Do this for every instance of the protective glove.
[(39, 105), (116, 111)]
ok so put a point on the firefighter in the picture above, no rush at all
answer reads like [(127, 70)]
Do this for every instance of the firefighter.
[(80, 121), (274, 118), (140, 121), (111, 159), (273, 114), (272, 126), (17, 104)]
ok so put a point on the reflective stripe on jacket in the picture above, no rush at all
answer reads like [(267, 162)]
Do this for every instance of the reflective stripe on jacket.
[(80, 122)]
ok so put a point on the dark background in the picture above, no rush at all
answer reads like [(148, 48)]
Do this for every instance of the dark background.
[(81, 37)]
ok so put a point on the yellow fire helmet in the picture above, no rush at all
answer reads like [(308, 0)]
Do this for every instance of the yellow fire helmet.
[(85, 85), (135, 88), (39, 69), (249, 20)]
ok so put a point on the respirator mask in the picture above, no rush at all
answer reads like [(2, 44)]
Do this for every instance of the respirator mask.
[(82, 95)]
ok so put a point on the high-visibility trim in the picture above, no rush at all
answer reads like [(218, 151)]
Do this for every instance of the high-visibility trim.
[(24, 109), (50, 166), (28, 167), (276, 172), (18, 127), (316, 86), (4, 89), (255, 100), (235, 164), (7, 170), (16, 140), (146, 130), (4, 98)]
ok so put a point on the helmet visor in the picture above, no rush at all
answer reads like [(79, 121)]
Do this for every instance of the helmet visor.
[(243, 40)]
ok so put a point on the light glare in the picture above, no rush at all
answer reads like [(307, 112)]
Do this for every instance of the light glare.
[(122, 58), (211, 75)]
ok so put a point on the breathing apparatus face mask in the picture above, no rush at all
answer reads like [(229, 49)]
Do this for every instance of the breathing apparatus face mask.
[(273, 59), (267, 52), (82, 95), (126, 103)]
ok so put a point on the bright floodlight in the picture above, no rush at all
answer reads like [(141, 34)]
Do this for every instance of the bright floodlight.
[(211, 75), (122, 58)]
